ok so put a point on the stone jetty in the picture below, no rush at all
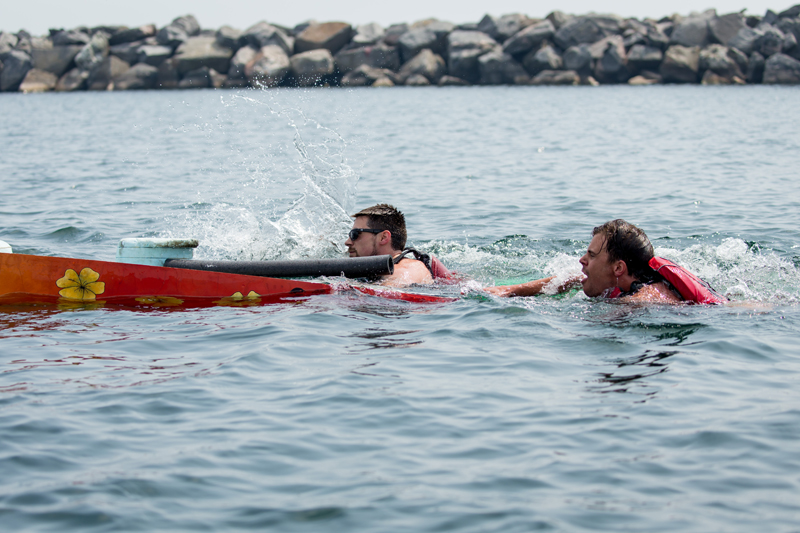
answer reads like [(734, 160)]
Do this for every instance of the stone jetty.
[(561, 49)]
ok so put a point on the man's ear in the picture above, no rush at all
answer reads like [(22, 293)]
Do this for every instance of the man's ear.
[(386, 237), (620, 268)]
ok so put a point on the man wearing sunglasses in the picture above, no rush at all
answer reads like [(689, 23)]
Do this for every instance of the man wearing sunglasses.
[(381, 230)]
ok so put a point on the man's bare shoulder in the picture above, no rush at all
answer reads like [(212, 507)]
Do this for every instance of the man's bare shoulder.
[(408, 272), (655, 293)]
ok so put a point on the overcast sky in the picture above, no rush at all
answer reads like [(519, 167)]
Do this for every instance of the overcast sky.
[(37, 16)]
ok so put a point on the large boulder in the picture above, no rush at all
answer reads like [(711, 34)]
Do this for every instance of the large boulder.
[(426, 63), (71, 37), (202, 78), (782, 69), (312, 67), (130, 35), (739, 58), (790, 26), (792, 12), (558, 18), (202, 51), (463, 50), (394, 32), (128, 52), (56, 60), (716, 59), (239, 62), (642, 57), (726, 27), (168, 76), (38, 81), (331, 36), (681, 64), (101, 77), (73, 80), (530, 38), (16, 65), (367, 34), (578, 58), (417, 80), (366, 76), (499, 68), (380, 56), (612, 65), (755, 68), (7, 42), (229, 37), (502, 28), (556, 77), (587, 29), (545, 58), (745, 40), (269, 67), (178, 31), (138, 77), (262, 34), (154, 54), (770, 42), (432, 35), (691, 31), (92, 54)]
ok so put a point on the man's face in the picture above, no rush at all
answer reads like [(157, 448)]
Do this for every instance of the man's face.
[(598, 269), (366, 244)]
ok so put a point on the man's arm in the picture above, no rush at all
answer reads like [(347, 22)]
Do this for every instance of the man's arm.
[(531, 288)]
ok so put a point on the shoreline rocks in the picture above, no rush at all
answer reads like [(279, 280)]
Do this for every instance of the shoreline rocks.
[(700, 48)]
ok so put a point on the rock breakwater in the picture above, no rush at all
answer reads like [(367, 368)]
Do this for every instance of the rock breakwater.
[(561, 49)]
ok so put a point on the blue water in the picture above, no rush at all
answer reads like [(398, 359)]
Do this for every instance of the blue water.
[(352, 413)]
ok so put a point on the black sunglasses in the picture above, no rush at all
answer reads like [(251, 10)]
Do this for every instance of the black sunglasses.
[(355, 232)]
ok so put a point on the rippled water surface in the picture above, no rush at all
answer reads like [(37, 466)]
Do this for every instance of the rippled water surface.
[(354, 413)]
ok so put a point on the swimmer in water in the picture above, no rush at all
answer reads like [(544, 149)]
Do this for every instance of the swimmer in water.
[(615, 265), (381, 230)]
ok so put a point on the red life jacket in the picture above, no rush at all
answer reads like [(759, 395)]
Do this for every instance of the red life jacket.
[(691, 288)]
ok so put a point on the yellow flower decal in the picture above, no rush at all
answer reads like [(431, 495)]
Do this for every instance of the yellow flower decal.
[(237, 299), (83, 286)]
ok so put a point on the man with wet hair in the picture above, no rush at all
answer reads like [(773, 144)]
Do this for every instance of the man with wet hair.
[(615, 265), (381, 230)]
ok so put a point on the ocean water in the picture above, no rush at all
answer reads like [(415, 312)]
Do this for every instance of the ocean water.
[(346, 412)]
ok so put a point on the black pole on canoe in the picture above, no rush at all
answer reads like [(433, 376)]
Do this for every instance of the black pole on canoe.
[(352, 267)]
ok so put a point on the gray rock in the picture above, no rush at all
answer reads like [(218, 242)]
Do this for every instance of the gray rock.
[(138, 77), (154, 54), (311, 67), (558, 18), (168, 77), (726, 27), (502, 28), (38, 81), (71, 37), (452, 81), (379, 56), (755, 68), (235, 84), (681, 64), (368, 34), (739, 58), (93, 53), (692, 31), (300, 28), (770, 17), (745, 40), (770, 43), (128, 52), (23, 42), (789, 41), (792, 12), (16, 65), (578, 58), (430, 65), (431, 35), (73, 80), (612, 66), (463, 50), (643, 80), (201, 78), (417, 80), (499, 68), (545, 58), (464, 64), (101, 77), (394, 32), (587, 29), (712, 78), (269, 67), (130, 35), (172, 36), (641, 57), (188, 24), (529, 38), (331, 36), (228, 37), (202, 51), (239, 62), (262, 34), (7, 42), (556, 77), (56, 60), (782, 69), (365, 76), (716, 59)]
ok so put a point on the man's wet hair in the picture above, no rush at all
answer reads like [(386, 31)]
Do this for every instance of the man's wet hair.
[(386, 217), (625, 241)]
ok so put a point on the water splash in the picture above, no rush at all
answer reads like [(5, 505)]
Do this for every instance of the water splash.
[(284, 191)]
